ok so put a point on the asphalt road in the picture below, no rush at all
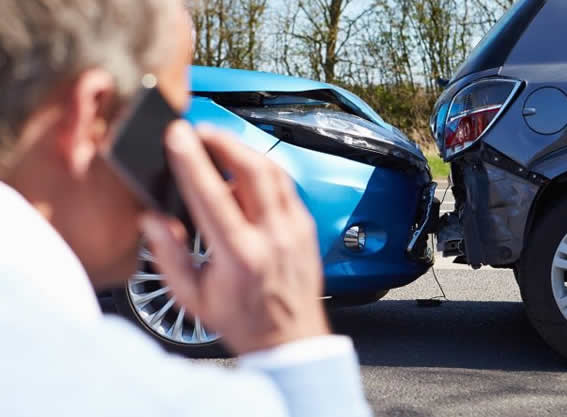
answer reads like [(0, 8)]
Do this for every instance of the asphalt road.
[(475, 355)]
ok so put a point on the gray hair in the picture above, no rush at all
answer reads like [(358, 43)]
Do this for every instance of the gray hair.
[(46, 42)]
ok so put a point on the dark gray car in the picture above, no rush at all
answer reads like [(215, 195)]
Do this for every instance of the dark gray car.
[(502, 123)]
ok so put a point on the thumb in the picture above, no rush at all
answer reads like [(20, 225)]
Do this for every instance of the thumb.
[(174, 261)]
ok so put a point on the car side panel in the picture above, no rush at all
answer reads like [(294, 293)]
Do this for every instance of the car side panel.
[(538, 59), (554, 166)]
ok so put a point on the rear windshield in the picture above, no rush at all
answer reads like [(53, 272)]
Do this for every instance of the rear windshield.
[(493, 50)]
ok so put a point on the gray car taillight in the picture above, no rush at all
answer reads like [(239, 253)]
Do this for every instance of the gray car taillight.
[(473, 111)]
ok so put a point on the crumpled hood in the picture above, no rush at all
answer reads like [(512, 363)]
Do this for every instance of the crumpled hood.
[(225, 80)]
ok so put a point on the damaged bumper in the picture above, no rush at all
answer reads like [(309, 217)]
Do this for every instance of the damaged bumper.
[(428, 220), (341, 194), (493, 201)]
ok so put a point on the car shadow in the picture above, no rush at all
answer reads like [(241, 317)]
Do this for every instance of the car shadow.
[(457, 334)]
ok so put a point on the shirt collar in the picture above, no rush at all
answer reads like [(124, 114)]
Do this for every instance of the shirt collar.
[(30, 246)]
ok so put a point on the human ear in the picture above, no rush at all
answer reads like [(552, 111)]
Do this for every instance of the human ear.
[(82, 131)]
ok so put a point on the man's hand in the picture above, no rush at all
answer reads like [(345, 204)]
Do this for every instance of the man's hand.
[(263, 285)]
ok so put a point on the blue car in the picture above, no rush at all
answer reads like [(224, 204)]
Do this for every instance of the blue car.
[(367, 186)]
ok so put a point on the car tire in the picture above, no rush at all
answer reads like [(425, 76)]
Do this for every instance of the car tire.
[(124, 307), (542, 273)]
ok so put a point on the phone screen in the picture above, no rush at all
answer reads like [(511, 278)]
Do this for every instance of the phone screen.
[(138, 153)]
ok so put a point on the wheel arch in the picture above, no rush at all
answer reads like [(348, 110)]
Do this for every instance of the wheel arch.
[(546, 198)]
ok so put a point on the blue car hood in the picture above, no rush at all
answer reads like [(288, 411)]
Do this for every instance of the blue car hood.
[(226, 80)]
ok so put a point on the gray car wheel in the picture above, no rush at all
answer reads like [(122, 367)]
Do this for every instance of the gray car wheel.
[(543, 277)]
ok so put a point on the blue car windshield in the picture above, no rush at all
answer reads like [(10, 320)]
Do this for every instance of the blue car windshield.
[(493, 50)]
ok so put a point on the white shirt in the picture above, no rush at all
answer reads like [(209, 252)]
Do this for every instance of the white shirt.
[(60, 356)]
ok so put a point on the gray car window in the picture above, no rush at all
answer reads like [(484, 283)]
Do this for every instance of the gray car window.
[(493, 50)]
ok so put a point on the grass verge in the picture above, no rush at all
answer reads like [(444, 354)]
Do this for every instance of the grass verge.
[(439, 169)]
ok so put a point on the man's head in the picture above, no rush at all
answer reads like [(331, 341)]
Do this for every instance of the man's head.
[(67, 71)]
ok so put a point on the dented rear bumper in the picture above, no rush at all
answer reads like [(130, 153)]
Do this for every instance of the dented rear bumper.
[(493, 202)]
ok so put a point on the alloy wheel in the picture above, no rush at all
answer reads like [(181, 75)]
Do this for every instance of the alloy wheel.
[(153, 304), (559, 276)]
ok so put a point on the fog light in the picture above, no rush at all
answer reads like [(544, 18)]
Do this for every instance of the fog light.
[(355, 238)]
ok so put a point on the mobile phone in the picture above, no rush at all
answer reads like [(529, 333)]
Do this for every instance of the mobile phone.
[(138, 154)]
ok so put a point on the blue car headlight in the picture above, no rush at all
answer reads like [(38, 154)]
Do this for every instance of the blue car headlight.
[(324, 128)]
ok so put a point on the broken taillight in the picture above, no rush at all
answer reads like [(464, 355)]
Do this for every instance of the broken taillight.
[(474, 110)]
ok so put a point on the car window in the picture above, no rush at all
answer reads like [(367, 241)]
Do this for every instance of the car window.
[(493, 50)]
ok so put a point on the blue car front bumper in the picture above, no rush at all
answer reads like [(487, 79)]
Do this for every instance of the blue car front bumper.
[(341, 193)]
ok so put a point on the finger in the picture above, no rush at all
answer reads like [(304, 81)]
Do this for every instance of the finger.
[(208, 196), (174, 261), (177, 229), (248, 161), (256, 177)]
